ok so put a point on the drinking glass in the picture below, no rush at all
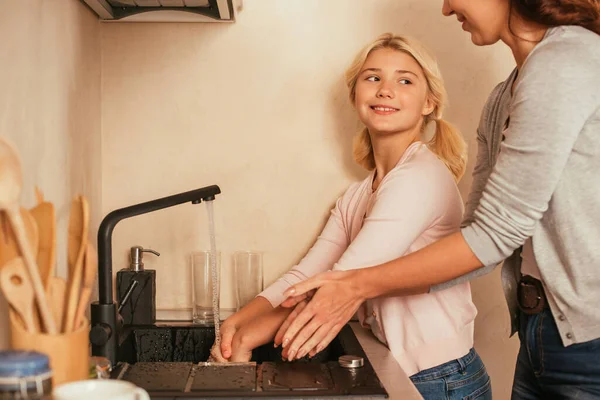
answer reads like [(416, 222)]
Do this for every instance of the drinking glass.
[(203, 301), (248, 276)]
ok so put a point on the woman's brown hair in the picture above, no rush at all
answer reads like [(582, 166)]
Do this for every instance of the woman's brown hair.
[(585, 13)]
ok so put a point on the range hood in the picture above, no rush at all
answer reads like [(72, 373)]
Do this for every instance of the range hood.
[(165, 10)]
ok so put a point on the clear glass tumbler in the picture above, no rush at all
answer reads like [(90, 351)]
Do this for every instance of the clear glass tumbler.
[(248, 275), (203, 301)]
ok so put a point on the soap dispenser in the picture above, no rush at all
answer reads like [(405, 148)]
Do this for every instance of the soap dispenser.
[(136, 290)]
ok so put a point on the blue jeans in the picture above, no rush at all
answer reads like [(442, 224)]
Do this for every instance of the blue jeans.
[(464, 379), (548, 370)]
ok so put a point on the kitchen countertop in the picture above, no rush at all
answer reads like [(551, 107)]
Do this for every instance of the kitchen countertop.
[(394, 379), (390, 374)]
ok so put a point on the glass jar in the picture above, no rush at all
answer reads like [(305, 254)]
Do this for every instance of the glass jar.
[(99, 368), (24, 375)]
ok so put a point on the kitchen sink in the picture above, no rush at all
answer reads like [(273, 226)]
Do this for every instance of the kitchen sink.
[(171, 362), (193, 344)]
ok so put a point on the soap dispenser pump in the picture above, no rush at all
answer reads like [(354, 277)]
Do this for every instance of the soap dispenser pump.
[(136, 290)]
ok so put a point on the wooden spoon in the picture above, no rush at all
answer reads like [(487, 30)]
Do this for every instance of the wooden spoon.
[(45, 216), (8, 242), (18, 291), (78, 232), (90, 268), (9, 250), (57, 292), (10, 191)]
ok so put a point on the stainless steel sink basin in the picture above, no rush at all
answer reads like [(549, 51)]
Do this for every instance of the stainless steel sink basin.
[(170, 362)]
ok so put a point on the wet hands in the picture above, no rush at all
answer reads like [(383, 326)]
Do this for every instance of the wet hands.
[(298, 303), (222, 352), (215, 354), (232, 347), (314, 324)]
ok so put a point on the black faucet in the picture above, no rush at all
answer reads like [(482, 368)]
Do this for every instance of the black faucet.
[(104, 330)]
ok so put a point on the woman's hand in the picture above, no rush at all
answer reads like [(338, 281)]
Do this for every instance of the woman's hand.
[(317, 323), (292, 301), (283, 328)]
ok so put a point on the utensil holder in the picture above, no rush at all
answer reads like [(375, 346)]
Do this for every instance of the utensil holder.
[(68, 352)]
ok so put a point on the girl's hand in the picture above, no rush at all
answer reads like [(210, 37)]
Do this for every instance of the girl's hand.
[(234, 345), (215, 355), (242, 345), (228, 331)]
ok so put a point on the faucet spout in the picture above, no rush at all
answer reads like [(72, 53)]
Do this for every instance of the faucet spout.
[(107, 226), (104, 331)]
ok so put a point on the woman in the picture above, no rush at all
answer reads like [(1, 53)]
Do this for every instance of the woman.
[(409, 200), (535, 202)]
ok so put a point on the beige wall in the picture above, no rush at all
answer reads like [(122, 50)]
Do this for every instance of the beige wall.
[(50, 106), (259, 108)]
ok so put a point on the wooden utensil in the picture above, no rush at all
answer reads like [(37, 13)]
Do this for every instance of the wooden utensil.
[(10, 191), (18, 291), (78, 231), (45, 217), (90, 267), (8, 242), (57, 292)]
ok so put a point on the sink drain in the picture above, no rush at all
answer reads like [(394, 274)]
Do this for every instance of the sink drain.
[(351, 361)]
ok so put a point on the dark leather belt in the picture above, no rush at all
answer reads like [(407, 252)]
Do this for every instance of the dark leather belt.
[(531, 297)]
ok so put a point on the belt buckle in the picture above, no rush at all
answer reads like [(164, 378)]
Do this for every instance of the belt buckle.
[(528, 291)]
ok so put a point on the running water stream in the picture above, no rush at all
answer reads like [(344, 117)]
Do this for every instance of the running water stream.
[(214, 272)]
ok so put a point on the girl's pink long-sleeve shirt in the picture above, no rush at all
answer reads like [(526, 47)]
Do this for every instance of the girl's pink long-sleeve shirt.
[(416, 203)]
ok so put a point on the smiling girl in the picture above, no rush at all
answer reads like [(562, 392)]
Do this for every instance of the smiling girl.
[(409, 200)]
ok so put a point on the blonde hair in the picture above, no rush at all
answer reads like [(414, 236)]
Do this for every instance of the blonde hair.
[(447, 142)]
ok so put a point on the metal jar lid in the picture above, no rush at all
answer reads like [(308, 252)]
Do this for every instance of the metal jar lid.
[(349, 361), (19, 363), (24, 375)]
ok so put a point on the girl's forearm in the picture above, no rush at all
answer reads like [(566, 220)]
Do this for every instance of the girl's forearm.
[(260, 330), (415, 273), (257, 307)]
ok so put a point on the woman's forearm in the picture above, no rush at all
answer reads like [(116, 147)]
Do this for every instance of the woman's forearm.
[(415, 273)]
